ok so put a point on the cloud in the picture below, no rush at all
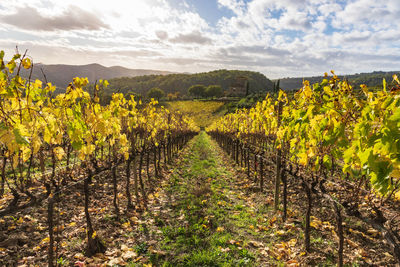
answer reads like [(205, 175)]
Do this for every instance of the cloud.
[(279, 38), (162, 35), (137, 53), (54, 50), (295, 20), (73, 18), (191, 38), (258, 49), (366, 14), (237, 6), (352, 37)]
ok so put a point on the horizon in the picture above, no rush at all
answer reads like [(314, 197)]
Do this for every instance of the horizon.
[(281, 39), (189, 73)]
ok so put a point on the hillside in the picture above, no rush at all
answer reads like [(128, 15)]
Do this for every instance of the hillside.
[(181, 82), (372, 79), (203, 113), (61, 75)]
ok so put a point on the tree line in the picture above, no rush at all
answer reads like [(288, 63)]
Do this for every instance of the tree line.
[(372, 80), (180, 83)]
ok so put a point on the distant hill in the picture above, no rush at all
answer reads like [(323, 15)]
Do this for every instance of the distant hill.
[(61, 75), (371, 79), (173, 83)]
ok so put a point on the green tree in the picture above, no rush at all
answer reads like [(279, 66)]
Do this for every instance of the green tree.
[(197, 90), (155, 93), (213, 90), (257, 82)]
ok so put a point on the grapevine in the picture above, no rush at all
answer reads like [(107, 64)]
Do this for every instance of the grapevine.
[(328, 132), (38, 130)]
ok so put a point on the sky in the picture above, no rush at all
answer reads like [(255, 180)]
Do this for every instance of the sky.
[(285, 38)]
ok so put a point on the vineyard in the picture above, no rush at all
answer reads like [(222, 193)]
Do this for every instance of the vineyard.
[(340, 147), (203, 113), (50, 144), (312, 178)]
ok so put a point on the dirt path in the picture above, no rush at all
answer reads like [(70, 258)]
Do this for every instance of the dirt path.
[(202, 216)]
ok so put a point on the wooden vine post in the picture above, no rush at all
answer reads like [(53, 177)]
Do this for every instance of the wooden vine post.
[(308, 191), (340, 235), (284, 200), (128, 183), (261, 172), (141, 180), (115, 190), (135, 179), (50, 212), (248, 162), (155, 160), (94, 243), (278, 163), (255, 166)]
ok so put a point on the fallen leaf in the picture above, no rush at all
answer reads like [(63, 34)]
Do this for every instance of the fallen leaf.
[(80, 264), (116, 261), (292, 263), (280, 232), (373, 232), (225, 249), (129, 255), (126, 225), (351, 243), (79, 256), (292, 242), (255, 244)]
